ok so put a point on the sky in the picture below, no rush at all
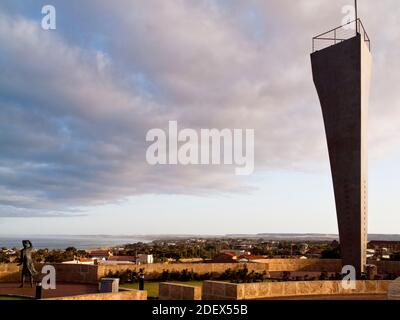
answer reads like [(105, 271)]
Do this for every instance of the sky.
[(76, 104)]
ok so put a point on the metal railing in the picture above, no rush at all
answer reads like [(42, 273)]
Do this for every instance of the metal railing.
[(340, 34)]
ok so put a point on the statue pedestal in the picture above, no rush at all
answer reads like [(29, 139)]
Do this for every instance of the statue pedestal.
[(108, 285)]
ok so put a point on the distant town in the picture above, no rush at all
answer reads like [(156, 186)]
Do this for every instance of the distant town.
[(203, 250)]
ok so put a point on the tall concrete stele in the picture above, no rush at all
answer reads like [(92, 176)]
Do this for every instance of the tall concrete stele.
[(341, 72)]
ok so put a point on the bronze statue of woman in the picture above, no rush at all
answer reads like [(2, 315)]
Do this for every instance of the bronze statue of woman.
[(28, 267)]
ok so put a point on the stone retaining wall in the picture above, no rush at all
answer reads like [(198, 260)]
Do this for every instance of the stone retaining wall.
[(306, 265), (385, 267), (73, 273), (122, 295), (214, 290), (80, 273), (9, 272), (152, 271), (394, 290), (173, 291)]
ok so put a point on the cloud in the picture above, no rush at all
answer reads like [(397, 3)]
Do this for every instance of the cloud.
[(76, 103)]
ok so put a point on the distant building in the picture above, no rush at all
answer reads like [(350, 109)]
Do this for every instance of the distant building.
[(122, 259), (313, 253), (370, 253), (252, 259), (191, 260), (100, 255), (244, 246), (80, 261), (225, 257), (9, 252), (237, 252), (379, 245), (144, 259)]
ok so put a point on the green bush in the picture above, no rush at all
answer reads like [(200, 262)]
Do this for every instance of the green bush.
[(126, 276)]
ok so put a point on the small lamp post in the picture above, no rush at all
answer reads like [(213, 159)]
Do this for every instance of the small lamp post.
[(141, 280), (38, 292)]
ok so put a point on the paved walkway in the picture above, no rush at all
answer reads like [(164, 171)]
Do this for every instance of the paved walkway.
[(62, 290)]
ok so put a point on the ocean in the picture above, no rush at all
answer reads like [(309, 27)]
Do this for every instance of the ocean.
[(62, 242)]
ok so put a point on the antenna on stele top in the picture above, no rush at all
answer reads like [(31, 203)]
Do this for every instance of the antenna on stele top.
[(356, 12)]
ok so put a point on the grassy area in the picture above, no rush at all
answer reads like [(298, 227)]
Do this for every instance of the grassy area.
[(152, 287)]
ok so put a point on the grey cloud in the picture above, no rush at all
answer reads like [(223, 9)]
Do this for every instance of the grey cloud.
[(76, 103)]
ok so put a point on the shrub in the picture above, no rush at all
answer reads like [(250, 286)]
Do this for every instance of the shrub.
[(323, 276), (126, 276), (286, 275)]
